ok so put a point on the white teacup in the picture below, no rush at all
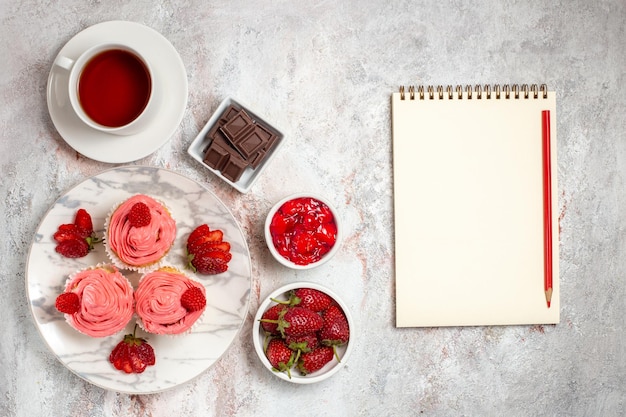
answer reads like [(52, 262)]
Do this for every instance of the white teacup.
[(112, 88)]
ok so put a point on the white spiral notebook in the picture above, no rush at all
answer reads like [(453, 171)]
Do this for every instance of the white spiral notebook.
[(475, 206)]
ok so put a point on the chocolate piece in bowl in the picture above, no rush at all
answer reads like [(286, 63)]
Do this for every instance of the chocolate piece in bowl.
[(234, 167), (238, 127), (250, 145), (246, 135), (221, 156), (217, 154), (229, 113)]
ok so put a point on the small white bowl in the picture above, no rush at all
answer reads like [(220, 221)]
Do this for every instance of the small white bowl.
[(202, 141), (288, 263), (331, 368)]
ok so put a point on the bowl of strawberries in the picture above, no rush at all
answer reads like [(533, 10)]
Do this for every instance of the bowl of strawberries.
[(303, 231), (302, 333)]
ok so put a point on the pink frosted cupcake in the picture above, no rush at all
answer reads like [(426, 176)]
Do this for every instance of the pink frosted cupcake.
[(98, 301), (139, 233), (168, 302)]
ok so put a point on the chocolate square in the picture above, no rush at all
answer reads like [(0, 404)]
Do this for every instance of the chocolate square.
[(238, 127), (270, 142), (216, 156), (256, 160), (230, 112), (227, 142), (251, 143), (235, 166)]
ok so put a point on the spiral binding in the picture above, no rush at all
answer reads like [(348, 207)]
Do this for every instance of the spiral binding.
[(505, 91)]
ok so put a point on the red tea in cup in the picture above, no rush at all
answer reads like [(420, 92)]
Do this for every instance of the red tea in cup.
[(114, 87)]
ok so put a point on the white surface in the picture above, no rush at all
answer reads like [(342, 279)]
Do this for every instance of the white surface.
[(179, 358), (169, 79)]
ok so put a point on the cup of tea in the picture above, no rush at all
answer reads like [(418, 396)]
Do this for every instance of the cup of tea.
[(111, 88)]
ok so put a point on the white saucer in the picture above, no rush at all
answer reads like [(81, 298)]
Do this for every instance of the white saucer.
[(169, 74)]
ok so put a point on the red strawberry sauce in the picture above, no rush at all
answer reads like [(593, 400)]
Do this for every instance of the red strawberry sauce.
[(303, 230)]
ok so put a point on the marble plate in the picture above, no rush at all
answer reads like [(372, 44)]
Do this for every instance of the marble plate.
[(179, 359), (169, 76)]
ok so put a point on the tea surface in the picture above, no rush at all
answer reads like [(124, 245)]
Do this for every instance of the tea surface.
[(114, 88)]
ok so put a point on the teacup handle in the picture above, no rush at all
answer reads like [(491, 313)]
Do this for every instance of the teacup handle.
[(64, 62)]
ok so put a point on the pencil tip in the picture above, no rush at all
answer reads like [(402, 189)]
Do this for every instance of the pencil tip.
[(548, 296)]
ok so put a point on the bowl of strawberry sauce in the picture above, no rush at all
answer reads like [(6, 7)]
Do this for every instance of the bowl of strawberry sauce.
[(303, 231)]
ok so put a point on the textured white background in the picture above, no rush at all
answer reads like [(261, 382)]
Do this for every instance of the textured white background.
[(324, 72)]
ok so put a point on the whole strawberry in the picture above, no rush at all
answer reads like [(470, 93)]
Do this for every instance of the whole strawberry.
[(312, 299), (269, 319), (133, 354), (335, 330), (315, 360), (280, 356), (303, 343), (297, 321)]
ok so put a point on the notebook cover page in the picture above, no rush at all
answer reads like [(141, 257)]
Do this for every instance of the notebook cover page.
[(468, 211)]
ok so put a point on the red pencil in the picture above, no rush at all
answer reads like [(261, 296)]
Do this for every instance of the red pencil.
[(547, 206)]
